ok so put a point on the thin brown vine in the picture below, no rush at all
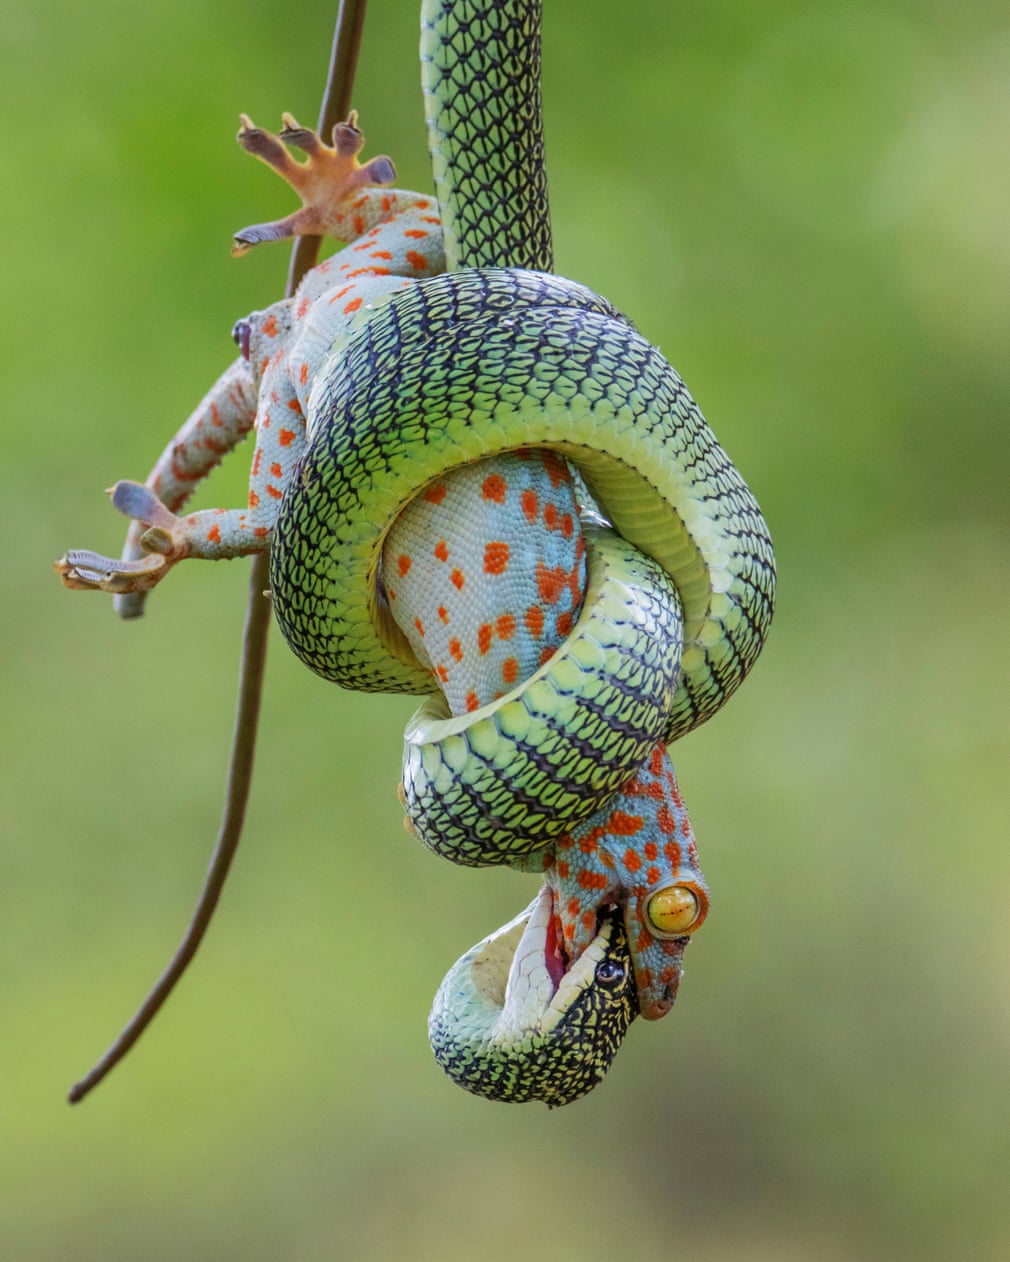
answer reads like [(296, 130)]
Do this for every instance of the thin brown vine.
[(335, 106)]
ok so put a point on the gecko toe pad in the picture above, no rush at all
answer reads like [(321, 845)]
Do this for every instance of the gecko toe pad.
[(325, 181)]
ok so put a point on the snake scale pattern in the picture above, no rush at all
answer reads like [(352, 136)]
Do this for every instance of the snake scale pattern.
[(474, 474)]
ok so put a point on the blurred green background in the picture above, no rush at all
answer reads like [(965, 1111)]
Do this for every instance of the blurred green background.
[(805, 205)]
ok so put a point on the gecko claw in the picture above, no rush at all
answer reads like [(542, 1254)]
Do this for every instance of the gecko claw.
[(84, 571)]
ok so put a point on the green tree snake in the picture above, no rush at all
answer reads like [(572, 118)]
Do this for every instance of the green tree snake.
[(436, 413)]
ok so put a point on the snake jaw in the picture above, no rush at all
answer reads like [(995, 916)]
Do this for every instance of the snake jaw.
[(508, 1024)]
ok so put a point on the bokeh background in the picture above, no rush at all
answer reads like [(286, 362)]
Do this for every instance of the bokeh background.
[(805, 205)]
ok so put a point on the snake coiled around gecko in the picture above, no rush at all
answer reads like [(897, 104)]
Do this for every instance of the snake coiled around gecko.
[(420, 380)]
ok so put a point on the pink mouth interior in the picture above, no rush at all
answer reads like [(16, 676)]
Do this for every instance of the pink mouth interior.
[(554, 956)]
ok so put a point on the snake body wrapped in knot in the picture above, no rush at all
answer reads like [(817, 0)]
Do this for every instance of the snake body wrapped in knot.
[(471, 469)]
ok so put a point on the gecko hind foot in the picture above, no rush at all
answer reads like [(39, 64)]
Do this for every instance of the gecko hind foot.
[(91, 572), (164, 541), (325, 181)]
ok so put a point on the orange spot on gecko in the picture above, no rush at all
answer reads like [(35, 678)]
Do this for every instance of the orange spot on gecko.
[(443, 674), (420, 627), (624, 825), (257, 457), (551, 516), (441, 551), (496, 557), (652, 876), (557, 471), (381, 254), (457, 579), (261, 532), (651, 851), (564, 624), (494, 488), (435, 493), (215, 416), (286, 437), (353, 305), (551, 582), (672, 852), (632, 860), (534, 621), (567, 525), (270, 326), (303, 375), (588, 843), (417, 261), (417, 234), (276, 471), (403, 564), (546, 654), (506, 626), (484, 634), (214, 534), (589, 921), (563, 868), (443, 613), (510, 670), (530, 505), (665, 820), (455, 649), (472, 703), (593, 880), (358, 225), (273, 491), (254, 499)]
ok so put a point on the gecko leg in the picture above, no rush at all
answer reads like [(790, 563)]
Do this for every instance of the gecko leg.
[(214, 534), (324, 182), (216, 426)]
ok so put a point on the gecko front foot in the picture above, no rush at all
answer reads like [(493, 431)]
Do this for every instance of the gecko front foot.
[(165, 541), (325, 182)]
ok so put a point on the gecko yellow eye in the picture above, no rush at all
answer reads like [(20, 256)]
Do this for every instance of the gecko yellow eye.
[(676, 910)]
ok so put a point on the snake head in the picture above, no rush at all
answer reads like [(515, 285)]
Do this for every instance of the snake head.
[(511, 1023)]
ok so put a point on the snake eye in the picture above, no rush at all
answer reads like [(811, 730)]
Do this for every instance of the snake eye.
[(609, 973), (676, 910), (240, 335)]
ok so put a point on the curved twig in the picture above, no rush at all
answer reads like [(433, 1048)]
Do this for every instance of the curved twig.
[(336, 105)]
